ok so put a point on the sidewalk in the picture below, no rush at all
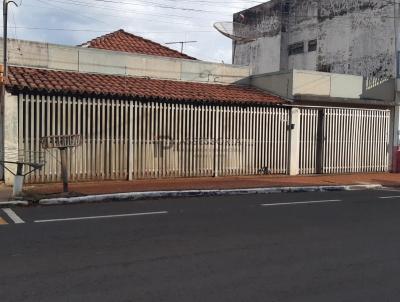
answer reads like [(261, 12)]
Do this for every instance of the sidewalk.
[(210, 183), (5, 192)]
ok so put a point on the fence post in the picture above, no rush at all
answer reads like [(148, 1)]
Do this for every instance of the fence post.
[(216, 141), (130, 148), (320, 141), (294, 142)]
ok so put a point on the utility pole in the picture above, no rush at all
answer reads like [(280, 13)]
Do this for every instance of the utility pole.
[(182, 43), (5, 36), (5, 74)]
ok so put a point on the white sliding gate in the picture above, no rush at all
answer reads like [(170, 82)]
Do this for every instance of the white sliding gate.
[(351, 140), (128, 139)]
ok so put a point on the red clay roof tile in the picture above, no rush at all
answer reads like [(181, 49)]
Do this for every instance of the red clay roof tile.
[(121, 40), (28, 80)]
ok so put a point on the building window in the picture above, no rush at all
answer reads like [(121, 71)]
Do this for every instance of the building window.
[(296, 48), (312, 45), (325, 68)]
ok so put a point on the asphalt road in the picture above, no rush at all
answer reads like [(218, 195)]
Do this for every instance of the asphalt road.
[(338, 246)]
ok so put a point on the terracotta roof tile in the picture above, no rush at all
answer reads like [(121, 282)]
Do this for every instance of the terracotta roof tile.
[(121, 40), (28, 80)]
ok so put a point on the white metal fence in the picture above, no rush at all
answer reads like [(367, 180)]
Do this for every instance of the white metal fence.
[(352, 140), (130, 139), (125, 139)]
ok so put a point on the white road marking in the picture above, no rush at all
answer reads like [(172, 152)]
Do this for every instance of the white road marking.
[(298, 203), (387, 189), (389, 197), (101, 217), (13, 216)]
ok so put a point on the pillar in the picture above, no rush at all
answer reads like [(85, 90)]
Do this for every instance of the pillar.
[(10, 135), (294, 142)]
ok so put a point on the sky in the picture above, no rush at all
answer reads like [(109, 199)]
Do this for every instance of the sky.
[(73, 22)]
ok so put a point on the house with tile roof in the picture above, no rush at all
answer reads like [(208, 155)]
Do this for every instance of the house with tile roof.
[(146, 111), (142, 109)]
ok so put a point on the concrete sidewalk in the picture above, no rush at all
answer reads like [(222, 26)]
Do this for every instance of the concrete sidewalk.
[(210, 183), (5, 192)]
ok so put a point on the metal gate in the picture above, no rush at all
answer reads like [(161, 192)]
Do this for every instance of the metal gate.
[(335, 140), (130, 139)]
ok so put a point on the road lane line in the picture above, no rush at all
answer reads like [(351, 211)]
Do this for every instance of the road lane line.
[(389, 197), (298, 203), (387, 190), (13, 216), (101, 217), (2, 221)]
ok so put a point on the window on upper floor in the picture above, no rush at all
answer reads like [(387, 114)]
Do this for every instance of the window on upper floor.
[(324, 68), (296, 48), (312, 45)]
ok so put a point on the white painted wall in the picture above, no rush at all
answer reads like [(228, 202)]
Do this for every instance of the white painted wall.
[(61, 57)]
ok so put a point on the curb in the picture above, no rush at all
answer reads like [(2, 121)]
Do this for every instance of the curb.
[(197, 193), (14, 203)]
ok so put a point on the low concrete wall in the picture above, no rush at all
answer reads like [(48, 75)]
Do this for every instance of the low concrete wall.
[(71, 58), (279, 83), (322, 86)]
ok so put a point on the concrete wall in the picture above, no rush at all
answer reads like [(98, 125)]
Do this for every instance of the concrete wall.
[(59, 57), (279, 83), (354, 37), (322, 86), (360, 43), (262, 55), (253, 54)]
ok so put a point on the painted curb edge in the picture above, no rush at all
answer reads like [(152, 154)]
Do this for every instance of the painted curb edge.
[(195, 193)]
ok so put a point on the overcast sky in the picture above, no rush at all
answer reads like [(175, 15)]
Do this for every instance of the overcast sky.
[(160, 20)]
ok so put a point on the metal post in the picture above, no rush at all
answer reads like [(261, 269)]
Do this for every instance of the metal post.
[(320, 141), (5, 27), (216, 142), (64, 168), (18, 180), (5, 35), (5, 74), (3, 90)]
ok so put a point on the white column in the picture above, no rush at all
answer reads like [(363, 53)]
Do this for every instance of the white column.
[(10, 135), (294, 147)]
